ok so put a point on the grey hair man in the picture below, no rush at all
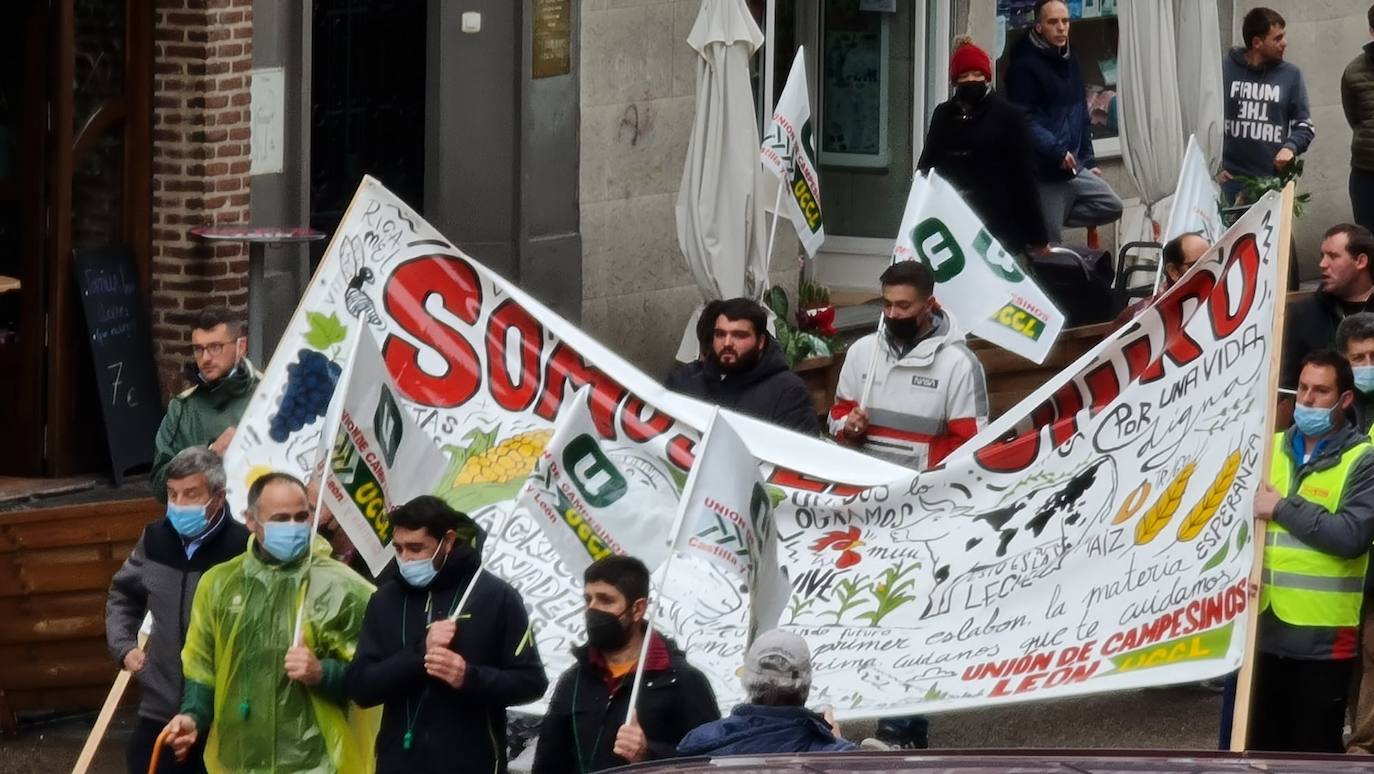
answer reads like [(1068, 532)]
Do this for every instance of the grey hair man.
[(160, 578), (1355, 340), (777, 680)]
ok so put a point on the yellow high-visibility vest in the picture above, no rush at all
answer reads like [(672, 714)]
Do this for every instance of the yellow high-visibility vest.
[(1307, 587)]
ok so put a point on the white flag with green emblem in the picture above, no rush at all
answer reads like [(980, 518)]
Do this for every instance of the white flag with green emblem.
[(594, 497), (789, 151), (381, 458), (975, 278), (728, 522)]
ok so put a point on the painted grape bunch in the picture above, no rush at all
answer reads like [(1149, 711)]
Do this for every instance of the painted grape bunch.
[(309, 386)]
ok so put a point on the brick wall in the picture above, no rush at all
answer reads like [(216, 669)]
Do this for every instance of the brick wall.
[(204, 49)]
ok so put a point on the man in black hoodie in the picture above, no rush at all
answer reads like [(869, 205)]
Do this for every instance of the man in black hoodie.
[(1346, 288), (585, 728), (160, 577), (746, 371), (444, 686)]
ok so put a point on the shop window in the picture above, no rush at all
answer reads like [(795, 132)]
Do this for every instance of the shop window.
[(1093, 41), (866, 67)]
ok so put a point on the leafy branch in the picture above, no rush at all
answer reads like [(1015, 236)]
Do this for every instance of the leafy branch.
[(848, 592)]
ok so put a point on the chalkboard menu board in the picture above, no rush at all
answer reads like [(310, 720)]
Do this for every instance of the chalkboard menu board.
[(122, 349)]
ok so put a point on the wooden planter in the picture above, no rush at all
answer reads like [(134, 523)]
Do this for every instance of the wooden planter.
[(55, 570), (821, 374)]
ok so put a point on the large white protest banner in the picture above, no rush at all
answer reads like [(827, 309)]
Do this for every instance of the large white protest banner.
[(1106, 548), (596, 498), (975, 278), (1196, 205), (789, 152), (380, 459)]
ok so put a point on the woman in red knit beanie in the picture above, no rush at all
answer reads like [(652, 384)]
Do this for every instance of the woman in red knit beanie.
[(980, 143)]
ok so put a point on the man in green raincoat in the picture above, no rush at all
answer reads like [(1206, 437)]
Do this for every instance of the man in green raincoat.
[(267, 703)]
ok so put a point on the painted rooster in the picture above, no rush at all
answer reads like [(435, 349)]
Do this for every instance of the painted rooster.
[(846, 542)]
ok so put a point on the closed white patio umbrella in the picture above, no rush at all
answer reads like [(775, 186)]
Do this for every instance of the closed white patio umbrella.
[(720, 213)]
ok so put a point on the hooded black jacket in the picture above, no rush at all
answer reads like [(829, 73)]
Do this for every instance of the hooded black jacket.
[(769, 390), (461, 729), (578, 733), (1309, 326)]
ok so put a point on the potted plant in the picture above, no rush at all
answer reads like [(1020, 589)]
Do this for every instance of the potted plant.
[(809, 340)]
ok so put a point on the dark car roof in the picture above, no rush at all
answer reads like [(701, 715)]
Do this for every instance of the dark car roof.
[(1019, 761)]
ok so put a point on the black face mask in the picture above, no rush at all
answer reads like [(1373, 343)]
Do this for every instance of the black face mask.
[(605, 632), (969, 93), (903, 329)]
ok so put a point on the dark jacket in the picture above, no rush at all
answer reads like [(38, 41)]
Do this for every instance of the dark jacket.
[(198, 416), (769, 390), (1347, 533), (1266, 109), (452, 729), (756, 729), (984, 150), (1357, 99), (1364, 412), (1048, 84), (587, 710), (1310, 325), (158, 578)]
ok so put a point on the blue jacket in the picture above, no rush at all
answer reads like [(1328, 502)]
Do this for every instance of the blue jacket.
[(755, 729), (1047, 83)]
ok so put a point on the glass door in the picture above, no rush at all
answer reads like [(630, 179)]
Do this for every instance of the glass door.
[(881, 72), (99, 194)]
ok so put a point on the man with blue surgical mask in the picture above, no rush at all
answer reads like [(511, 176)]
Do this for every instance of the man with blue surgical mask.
[(1355, 338), (1319, 503), (261, 699), (444, 687), (160, 577)]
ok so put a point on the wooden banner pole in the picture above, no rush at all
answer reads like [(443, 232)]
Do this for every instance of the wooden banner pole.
[(1240, 721), (107, 711)]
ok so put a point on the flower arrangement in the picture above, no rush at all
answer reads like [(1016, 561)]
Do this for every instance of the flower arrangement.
[(811, 333)]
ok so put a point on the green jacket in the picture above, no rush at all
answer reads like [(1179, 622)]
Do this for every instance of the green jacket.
[(198, 416), (1357, 99)]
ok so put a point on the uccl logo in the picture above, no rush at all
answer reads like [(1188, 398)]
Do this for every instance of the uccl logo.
[(592, 472), (1019, 320)]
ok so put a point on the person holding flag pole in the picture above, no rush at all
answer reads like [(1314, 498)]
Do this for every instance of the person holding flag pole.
[(260, 711), (284, 595), (923, 393), (443, 653), (666, 697), (589, 726)]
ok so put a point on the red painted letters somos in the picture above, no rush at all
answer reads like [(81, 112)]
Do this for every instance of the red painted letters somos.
[(437, 301)]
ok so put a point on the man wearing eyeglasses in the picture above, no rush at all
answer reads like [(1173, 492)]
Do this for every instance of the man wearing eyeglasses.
[(222, 382)]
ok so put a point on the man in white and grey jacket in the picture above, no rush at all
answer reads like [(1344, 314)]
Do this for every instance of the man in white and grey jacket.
[(928, 395), (160, 577)]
